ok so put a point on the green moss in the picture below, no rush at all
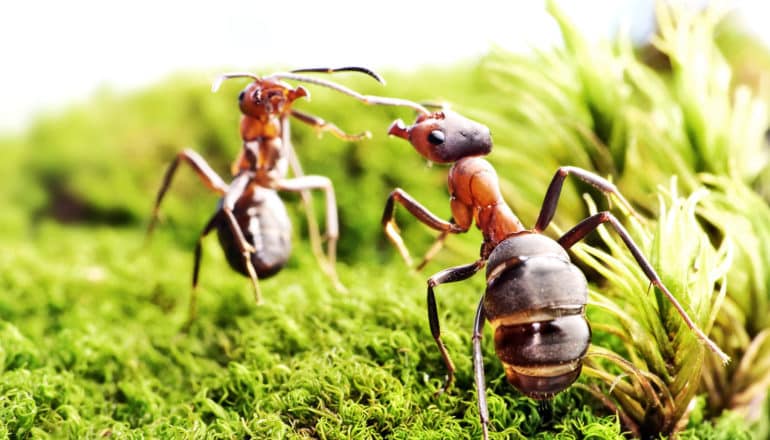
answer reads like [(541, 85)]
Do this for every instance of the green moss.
[(96, 348)]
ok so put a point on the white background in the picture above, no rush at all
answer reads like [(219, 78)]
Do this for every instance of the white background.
[(55, 53)]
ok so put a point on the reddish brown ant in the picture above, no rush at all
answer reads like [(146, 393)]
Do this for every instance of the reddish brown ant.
[(535, 297), (251, 221)]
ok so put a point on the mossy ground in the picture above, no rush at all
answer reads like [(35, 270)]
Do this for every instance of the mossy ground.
[(92, 346)]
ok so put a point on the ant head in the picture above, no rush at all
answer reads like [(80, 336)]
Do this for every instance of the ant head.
[(445, 136), (264, 98)]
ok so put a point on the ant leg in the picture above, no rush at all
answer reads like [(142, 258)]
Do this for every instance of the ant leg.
[(306, 197), (302, 183), (450, 275), (419, 212), (209, 177), (438, 243), (234, 193), (589, 224), (478, 369), (554, 190), (320, 126), (239, 163), (193, 307), (246, 249)]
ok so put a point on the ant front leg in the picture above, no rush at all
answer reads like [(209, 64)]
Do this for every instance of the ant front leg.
[(299, 184), (209, 177), (321, 126), (421, 213), (450, 275), (234, 193), (554, 191), (591, 223)]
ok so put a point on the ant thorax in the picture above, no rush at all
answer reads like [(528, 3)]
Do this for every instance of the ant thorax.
[(476, 196), (266, 126), (266, 159)]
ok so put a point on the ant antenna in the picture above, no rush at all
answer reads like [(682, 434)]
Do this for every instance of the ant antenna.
[(218, 82), (367, 99), (363, 70), (294, 76), (435, 105)]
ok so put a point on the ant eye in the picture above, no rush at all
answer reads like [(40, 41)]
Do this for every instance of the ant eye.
[(241, 95), (436, 137)]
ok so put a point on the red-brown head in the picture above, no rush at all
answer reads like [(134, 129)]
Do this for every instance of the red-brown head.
[(445, 136), (264, 98)]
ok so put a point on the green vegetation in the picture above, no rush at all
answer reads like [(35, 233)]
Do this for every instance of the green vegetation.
[(90, 319)]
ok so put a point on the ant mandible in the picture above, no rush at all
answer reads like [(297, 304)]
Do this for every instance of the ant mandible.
[(535, 297), (252, 224)]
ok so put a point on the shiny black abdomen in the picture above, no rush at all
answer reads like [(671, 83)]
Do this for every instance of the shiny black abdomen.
[(535, 300), (266, 226)]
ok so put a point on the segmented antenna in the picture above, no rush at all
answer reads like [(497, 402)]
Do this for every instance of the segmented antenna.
[(359, 69), (220, 79)]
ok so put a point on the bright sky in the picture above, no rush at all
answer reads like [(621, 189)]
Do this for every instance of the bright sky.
[(55, 53)]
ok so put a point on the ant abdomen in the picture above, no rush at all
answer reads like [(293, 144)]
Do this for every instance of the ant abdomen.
[(535, 301), (266, 226)]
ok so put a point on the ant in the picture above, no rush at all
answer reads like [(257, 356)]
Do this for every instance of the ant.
[(535, 297), (252, 224)]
